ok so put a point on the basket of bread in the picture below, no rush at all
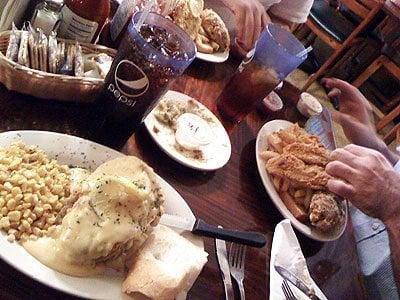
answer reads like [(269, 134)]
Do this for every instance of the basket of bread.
[(52, 68)]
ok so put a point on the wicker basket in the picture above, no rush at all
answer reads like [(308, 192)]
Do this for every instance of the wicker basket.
[(47, 85)]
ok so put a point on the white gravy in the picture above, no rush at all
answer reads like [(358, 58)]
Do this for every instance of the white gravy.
[(110, 214)]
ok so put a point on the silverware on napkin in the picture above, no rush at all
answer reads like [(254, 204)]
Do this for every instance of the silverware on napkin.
[(199, 227), (222, 256), (297, 282)]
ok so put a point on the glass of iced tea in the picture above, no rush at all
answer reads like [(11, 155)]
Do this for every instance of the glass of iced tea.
[(273, 58)]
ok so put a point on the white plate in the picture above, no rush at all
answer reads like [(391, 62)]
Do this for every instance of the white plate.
[(218, 57), (308, 230), (83, 153), (216, 154)]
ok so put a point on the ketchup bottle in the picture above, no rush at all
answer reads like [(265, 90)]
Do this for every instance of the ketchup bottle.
[(82, 20)]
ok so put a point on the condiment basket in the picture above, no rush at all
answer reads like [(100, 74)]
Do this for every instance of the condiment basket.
[(48, 85)]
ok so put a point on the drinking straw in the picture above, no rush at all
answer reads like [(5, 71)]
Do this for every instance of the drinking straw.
[(149, 5), (304, 52)]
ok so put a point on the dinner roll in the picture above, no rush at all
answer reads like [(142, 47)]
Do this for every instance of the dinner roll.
[(166, 266)]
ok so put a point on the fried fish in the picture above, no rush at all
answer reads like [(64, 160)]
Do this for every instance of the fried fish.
[(312, 154), (298, 172)]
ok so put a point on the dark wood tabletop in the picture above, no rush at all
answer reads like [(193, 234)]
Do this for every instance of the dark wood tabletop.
[(233, 196)]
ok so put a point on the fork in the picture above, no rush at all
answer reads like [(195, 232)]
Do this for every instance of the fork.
[(287, 291), (237, 256)]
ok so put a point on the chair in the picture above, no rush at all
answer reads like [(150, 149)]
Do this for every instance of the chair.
[(389, 65), (327, 23)]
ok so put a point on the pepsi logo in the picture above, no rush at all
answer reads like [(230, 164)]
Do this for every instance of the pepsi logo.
[(130, 80)]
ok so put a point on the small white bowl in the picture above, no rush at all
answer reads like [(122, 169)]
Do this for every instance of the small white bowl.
[(308, 105)]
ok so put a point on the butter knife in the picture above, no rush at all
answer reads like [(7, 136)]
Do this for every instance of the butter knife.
[(297, 282), (199, 227), (222, 256)]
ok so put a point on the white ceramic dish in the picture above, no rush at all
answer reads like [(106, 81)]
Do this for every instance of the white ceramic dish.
[(83, 153), (216, 154), (308, 230), (218, 57)]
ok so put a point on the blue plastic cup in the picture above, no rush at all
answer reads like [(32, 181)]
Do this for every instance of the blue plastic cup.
[(278, 49), (273, 58)]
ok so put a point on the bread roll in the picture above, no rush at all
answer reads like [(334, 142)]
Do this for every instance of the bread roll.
[(166, 265)]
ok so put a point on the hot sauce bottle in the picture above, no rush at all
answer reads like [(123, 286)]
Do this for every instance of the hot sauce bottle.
[(82, 20)]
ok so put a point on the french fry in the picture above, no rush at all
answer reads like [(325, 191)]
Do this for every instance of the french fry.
[(300, 193), (285, 185), (277, 182), (267, 155), (275, 142), (297, 210), (307, 198)]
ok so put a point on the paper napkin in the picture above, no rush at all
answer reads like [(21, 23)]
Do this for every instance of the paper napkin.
[(286, 252)]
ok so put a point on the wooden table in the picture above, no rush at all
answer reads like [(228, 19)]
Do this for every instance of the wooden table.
[(233, 196)]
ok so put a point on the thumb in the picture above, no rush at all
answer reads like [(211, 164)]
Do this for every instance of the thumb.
[(331, 83)]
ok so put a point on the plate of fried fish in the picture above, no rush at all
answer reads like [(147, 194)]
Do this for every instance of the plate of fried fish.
[(291, 163), (205, 27)]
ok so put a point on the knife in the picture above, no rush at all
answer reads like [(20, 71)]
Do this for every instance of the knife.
[(222, 256), (199, 227), (296, 281)]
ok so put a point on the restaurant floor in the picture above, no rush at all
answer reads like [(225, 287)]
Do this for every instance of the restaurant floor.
[(298, 79)]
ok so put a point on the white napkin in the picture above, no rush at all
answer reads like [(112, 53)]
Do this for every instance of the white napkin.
[(286, 252)]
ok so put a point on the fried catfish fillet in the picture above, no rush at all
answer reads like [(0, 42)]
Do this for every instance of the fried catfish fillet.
[(312, 154), (294, 134), (300, 174)]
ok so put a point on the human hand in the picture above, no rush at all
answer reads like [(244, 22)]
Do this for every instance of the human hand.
[(250, 18), (367, 179), (355, 113)]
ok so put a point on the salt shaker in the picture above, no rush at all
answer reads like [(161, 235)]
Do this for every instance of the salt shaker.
[(47, 15)]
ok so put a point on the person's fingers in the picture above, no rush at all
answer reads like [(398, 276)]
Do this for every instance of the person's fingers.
[(341, 170), (341, 188), (248, 29), (240, 22), (343, 156), (257, 26), (265, 19), (359, 151), (331, 83), (334, 93)]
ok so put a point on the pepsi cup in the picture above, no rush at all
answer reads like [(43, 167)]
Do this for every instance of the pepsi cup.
[(148, 59)]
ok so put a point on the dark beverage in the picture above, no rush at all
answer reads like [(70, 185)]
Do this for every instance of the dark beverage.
[(146, 62), (251, 83), (275, 55)]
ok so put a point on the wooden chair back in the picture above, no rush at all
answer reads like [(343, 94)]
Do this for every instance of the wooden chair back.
[(360, 7)]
